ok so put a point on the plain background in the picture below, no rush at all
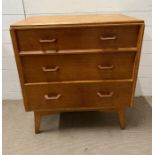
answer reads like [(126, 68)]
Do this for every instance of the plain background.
[(15, 10)]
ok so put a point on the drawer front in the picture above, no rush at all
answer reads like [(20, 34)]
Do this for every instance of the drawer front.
[(78, 95), (99, 66), (77, 38)]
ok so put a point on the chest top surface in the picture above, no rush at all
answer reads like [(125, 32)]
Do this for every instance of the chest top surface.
[(75, 20)]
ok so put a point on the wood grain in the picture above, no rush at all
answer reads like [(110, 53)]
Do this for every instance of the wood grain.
[(121, 115), (137, 59), (78, 63), (78, 67), (78, 95), (37, 121), (75, 20), (18, 62), (78, 38)]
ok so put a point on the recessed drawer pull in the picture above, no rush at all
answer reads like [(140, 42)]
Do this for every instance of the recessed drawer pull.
[(47, 40), (104, 95), (54, 69), (56, 97), (105, 67), (108, 38)]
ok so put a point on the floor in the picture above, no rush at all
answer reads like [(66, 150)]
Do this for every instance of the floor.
[(86, 133)]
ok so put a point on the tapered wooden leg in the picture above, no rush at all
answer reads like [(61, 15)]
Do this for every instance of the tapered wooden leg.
[(37, 120), (121, 115)]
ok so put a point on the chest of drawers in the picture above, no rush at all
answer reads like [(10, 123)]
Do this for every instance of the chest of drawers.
[(77, 63)]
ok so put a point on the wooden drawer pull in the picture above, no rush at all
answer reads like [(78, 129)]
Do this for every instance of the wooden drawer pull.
[(54, 69), (108, 38), (104, 95), (56, 97), (105, 67), (47, 41), (50, 51)]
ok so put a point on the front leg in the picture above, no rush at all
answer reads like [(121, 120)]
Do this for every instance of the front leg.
[(121, 115), (37, 121)]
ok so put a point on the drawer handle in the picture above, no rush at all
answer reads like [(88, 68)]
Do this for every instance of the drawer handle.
[(47, 41), (105, 67), (108, 38), (50, 51), (54, 69), (56, 97), (102, 95)]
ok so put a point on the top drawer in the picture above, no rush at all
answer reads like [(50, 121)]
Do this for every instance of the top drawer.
[(77, 38)]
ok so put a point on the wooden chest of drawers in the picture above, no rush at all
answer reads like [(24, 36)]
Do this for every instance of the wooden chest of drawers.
[(77, 63)]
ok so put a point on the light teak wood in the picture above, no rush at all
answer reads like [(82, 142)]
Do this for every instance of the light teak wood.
[(37, 120), (90, 95), (72, 67), (74, 21), (121, 115), (77, 63), (98, 37)]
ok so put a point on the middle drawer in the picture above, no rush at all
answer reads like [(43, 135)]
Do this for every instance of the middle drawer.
[(70, 67)]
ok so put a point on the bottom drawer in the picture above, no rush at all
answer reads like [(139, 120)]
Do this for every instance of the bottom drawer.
[(60, 96)]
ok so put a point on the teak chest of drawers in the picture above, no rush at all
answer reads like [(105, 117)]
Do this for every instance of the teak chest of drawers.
[(77, 63)]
